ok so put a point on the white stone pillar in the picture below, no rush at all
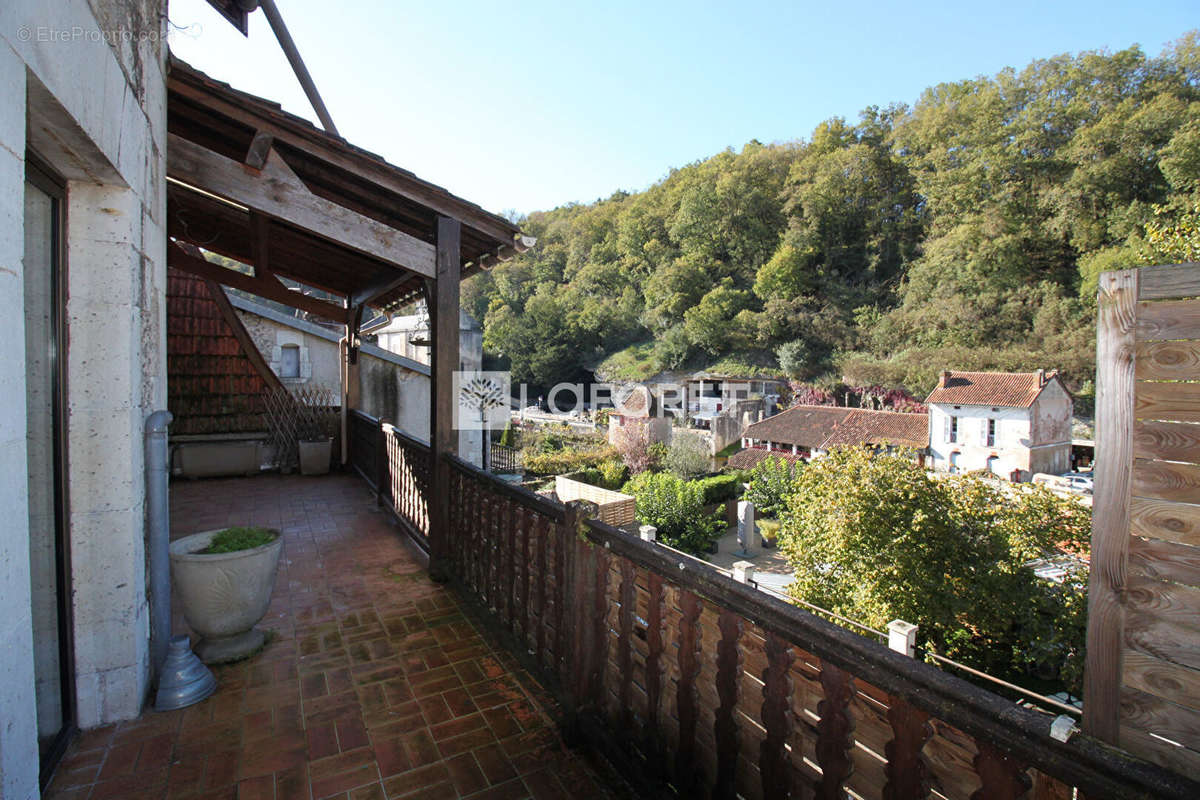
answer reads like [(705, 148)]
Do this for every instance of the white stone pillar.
[(648, 533), (747, 532), (743, 571), (902, 637)]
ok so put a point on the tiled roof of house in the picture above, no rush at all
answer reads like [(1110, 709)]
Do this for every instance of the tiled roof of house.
[(1009, 389), (822, 427), (752, 456), (212, 386), (880, 427)]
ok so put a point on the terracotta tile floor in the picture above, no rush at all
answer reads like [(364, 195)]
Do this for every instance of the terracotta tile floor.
[(374, 686)]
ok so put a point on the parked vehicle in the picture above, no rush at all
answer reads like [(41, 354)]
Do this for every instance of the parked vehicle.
[(1080, 482)]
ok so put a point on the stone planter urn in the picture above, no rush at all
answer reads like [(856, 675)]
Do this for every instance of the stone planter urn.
[(224, 595), (315, 456)]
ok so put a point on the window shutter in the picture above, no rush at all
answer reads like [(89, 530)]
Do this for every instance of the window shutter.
[(946, 433), (983, 429)]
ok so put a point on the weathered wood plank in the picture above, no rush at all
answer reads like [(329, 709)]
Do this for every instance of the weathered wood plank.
[(1167, 319), (1163, 636), (1168, 360), (1170, 681), (1155, 715), (1002, 776), (1160, 519), (778, 718), (277, 191), (835, 731), (625, 644), (1117, 319), (686, 707), (1170, 281), (1158, 751), (1158, 480), (542, 532), (725, 728), (1169, 441), (600, 627), (1155, 558), (1168, 601), (1177, 402), (1047, 787), (907, 768), (654, 667)]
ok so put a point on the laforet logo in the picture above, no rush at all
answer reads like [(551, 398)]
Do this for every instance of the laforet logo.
[(483, 399)]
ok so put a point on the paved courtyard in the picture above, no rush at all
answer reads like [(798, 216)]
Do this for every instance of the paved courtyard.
[(374, 683)]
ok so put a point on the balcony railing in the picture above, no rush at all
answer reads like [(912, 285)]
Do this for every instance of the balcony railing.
[(693, 681)]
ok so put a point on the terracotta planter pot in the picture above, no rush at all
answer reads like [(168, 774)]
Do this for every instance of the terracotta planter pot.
[(315, 456), (224, 595)]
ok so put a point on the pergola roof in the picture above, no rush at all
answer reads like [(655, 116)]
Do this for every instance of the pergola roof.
[(278, 193)]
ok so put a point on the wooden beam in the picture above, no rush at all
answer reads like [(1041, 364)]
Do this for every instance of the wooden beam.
[(276, 190), (270, 288), (230, 315), (442, 298), (385, 281), (1115, 349), (260, 244), (260, 148), (319, 146)]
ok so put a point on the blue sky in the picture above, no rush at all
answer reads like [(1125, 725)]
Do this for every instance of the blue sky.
[(530, 105)]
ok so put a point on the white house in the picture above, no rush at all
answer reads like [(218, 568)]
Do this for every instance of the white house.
[(1000, 422)]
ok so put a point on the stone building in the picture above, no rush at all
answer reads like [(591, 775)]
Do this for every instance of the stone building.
[(82, 250)]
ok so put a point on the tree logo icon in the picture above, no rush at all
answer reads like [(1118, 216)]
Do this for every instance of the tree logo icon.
[(483, 399)]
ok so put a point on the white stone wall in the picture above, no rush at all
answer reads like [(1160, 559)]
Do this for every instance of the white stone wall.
[(18, 714), (1012, 438), (1035, 439), (86, 78)]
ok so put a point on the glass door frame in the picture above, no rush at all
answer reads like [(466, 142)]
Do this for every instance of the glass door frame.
[(40, 175)]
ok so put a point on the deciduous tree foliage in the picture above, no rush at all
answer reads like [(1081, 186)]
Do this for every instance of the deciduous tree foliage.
[(877, 538), (965, 231)]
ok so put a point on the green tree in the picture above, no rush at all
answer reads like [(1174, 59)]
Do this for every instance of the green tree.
[(768, 485), (687, 455), (676, 508), (876, 538)]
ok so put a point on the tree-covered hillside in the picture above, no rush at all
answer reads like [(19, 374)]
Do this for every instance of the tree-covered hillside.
[(966, 231)]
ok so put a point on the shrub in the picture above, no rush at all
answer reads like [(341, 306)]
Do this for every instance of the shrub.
[(633, 444), (688, 455), (770, 482), (613, 473), (567, 459), (769, 528), (719, 488), (676, 508), (231, 540), (509, 437)]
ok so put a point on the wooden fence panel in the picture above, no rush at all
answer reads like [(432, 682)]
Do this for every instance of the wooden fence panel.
[(1143, 662), (720, 690)]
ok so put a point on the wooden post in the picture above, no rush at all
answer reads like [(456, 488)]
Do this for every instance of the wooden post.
[(1115, 350), (577, 584), (383, 467), (442, 298)]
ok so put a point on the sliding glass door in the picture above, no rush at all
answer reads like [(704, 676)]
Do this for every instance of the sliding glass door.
[(44, 404)]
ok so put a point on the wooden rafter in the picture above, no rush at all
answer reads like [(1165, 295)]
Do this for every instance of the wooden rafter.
[(276, 191), (383, 282), (184, 82), (187, 257)]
